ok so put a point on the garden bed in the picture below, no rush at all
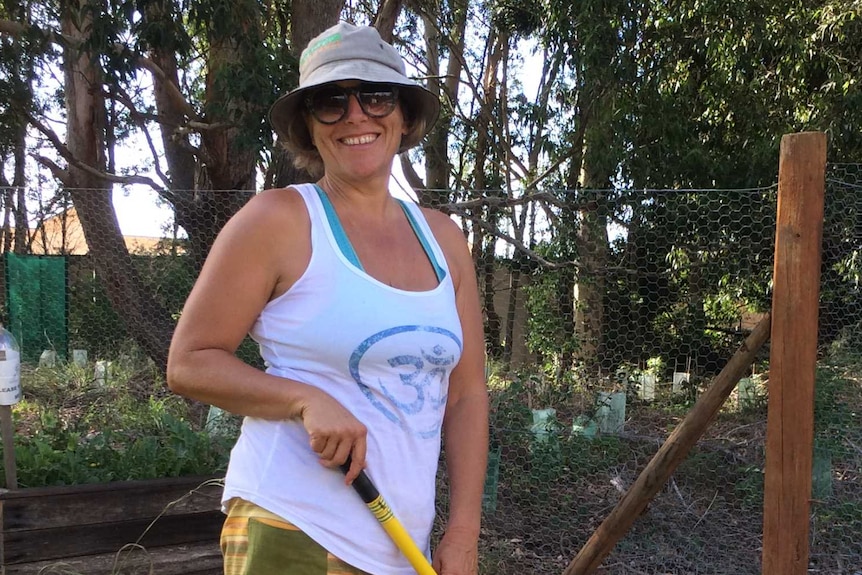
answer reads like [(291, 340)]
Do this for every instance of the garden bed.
[(166, 526)]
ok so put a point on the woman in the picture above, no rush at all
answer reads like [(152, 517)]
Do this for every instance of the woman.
[(367, 315)]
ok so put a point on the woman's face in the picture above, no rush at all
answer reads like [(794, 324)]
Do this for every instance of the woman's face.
[(356, 140)]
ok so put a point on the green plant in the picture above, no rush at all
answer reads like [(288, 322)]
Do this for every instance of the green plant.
[(73, 429), (749, 488)]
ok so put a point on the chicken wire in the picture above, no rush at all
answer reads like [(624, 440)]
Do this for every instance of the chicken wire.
[(683, 276)]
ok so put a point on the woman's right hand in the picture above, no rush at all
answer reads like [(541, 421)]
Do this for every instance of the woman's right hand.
[(334, 433)]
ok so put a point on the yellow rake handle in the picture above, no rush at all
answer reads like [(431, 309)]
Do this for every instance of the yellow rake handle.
[(381, 510)]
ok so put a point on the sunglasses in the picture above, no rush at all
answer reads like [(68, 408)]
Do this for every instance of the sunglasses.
[(329, 104)]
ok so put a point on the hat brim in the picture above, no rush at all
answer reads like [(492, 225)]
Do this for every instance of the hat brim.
[(288, 109)]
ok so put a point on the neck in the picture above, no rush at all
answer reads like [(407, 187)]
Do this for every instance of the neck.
[(370, 198)]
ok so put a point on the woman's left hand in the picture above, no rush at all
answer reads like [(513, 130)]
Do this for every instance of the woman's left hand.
[(456, 554)]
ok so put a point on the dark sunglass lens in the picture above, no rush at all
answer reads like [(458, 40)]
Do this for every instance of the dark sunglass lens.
[(328, 104), (377, 100)]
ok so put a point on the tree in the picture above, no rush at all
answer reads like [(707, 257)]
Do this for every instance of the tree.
[(213, 130), (16, 93)]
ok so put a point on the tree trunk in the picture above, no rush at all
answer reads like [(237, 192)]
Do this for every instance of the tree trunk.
[(308, 19), (21, 99), (568, 237), (493, 325), (144, 319), (386, 17), (511, 311), (436, 147), (172, 112), (592, 237)]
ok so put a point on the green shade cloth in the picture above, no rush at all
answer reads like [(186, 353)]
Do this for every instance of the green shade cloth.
[(36, 300)]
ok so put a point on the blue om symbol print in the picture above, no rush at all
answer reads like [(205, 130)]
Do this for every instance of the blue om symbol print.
[(413, 400)]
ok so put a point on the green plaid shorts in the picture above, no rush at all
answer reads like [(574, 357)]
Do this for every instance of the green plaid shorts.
[(257, 542)]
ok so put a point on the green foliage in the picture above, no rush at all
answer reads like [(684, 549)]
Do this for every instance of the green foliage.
[(550, 315), (72, 430), (517, 16), (93, 323), (508, 410), (836, 401)]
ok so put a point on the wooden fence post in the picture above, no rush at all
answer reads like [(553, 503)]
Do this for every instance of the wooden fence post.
[(793, 353)]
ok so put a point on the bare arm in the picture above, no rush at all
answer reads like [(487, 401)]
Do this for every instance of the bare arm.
[(248, 265), (465, 427)]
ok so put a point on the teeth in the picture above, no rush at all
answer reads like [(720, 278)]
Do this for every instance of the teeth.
[(367, 139)]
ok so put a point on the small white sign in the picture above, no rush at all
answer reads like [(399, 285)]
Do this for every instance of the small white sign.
[(79, 357), (10, 377)]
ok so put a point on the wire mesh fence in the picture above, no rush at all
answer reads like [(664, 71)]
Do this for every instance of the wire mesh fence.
[(608, 313)]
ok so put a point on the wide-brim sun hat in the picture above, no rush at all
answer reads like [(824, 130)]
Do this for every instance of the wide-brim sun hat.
[(348, 52)]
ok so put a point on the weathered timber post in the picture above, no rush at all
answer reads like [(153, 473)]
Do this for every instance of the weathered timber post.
[(668, 457), (793, 353)]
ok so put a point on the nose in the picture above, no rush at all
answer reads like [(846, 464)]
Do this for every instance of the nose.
[(353, 107)]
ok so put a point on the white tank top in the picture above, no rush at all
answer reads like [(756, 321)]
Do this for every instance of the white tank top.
[(383, 353)]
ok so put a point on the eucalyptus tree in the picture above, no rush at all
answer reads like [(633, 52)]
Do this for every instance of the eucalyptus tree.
[(718, 85), (214, 67), (17, 80)]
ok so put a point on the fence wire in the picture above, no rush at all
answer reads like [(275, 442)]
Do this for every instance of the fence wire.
[(607, 314)]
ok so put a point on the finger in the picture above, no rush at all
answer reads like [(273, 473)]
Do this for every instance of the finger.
[(436, 563), (325, 448), (357, 463), (329, 455), (342, 454), (318, 443)]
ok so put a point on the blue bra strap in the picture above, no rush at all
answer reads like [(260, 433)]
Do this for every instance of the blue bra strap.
[(438, 269), (337, 230), (347, 248)]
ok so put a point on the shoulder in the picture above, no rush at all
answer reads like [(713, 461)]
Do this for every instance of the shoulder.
[(274, 206), (271, 214), (452, 241), (267, 239), (271, 230), (445, 229)]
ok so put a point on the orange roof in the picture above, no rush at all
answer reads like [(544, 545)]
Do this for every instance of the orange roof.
[(63, 235)]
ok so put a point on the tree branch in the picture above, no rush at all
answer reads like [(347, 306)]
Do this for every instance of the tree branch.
[(67, 155), (173, 91), (386, 17), (137, 118), (59, 173), (452, 208), (18, 30), (412, 177)]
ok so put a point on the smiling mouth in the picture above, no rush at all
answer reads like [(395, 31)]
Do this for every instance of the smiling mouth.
[(355, 141)]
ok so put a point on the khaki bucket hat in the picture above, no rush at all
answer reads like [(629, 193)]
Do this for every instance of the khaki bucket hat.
[(349, 52)]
